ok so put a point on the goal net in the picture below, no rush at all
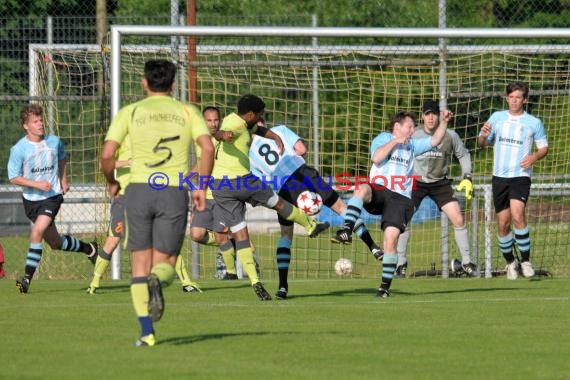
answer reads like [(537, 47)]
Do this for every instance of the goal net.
[(338, 94)]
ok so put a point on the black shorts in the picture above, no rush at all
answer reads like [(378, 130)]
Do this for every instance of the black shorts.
[(49, 206), (441, 192), (306, 178), (396, 209), (505, 189)]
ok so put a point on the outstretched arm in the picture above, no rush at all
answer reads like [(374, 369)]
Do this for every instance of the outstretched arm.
[(439, 133), (268, 134)]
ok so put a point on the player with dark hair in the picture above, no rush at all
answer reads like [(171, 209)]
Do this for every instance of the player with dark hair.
[(389, 191), (161, 130), (432, 169), (38, 163), (292, 176), (234, 185), (117, 228), (512, 132)]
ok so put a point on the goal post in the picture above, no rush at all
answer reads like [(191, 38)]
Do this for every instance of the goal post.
[(338, 88)]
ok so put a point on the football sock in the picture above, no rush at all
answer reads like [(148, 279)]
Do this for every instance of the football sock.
[(293, 214), (506, 247), (72, 244), (139, 295), (245, 255), (363, 233), (181, 271), (33, 260), (352, 213), (462, 240), (228, 253), (211, 240), (283, 258), (522, 238), (208, 239), (388, 268), (403, 246), (101, 265)]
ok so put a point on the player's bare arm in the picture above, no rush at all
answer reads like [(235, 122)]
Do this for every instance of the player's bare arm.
[(108, 166), (300, 148), (382, 152), (267, 133), (482, 140), (439, 133), (226, 136), (25, 182), (122, 163), (62, 166), (529, 160), (206, 165)]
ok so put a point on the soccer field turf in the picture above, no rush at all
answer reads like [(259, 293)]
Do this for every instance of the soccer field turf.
[(327, 329)]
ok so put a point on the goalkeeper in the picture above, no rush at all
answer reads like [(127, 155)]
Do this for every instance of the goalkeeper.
[(433, 167)]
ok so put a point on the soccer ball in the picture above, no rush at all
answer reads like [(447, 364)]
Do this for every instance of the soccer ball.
[(309, 202), (343, 267)]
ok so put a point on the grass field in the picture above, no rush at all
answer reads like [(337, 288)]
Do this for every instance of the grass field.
[(328, 329)]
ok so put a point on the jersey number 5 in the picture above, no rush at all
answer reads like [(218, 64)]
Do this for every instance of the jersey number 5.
[(159, 147)]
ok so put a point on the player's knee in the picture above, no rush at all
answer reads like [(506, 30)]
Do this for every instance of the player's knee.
[(363, 192), (275, 202), (197, 235)]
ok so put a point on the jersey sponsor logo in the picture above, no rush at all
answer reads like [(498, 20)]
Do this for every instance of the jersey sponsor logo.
[(400, 160), (45, 169), (509, 141), (434, 153)]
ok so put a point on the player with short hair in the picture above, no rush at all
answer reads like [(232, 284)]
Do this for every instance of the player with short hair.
[(202, 224), (432, 169), (117, 228), (161, 130), (512, 133), (291, 176), (392, 155), (38, 163), (234, 185)]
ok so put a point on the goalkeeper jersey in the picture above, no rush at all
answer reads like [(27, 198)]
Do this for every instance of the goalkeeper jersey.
[(433, 165)]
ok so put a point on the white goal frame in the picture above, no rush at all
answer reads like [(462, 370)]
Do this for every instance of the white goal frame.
[(118, 31)]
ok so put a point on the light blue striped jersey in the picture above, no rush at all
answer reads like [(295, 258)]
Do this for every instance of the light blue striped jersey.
[(37, 161), (512, 137), (265, 160), (396, 170)]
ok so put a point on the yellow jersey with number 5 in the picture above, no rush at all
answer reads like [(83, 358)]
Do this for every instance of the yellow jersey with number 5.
[(161, 130)]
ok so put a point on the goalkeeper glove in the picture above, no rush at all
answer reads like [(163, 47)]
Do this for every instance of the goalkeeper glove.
[(466, 185)]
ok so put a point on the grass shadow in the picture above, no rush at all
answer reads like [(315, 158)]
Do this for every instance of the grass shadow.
[(177, 341)]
